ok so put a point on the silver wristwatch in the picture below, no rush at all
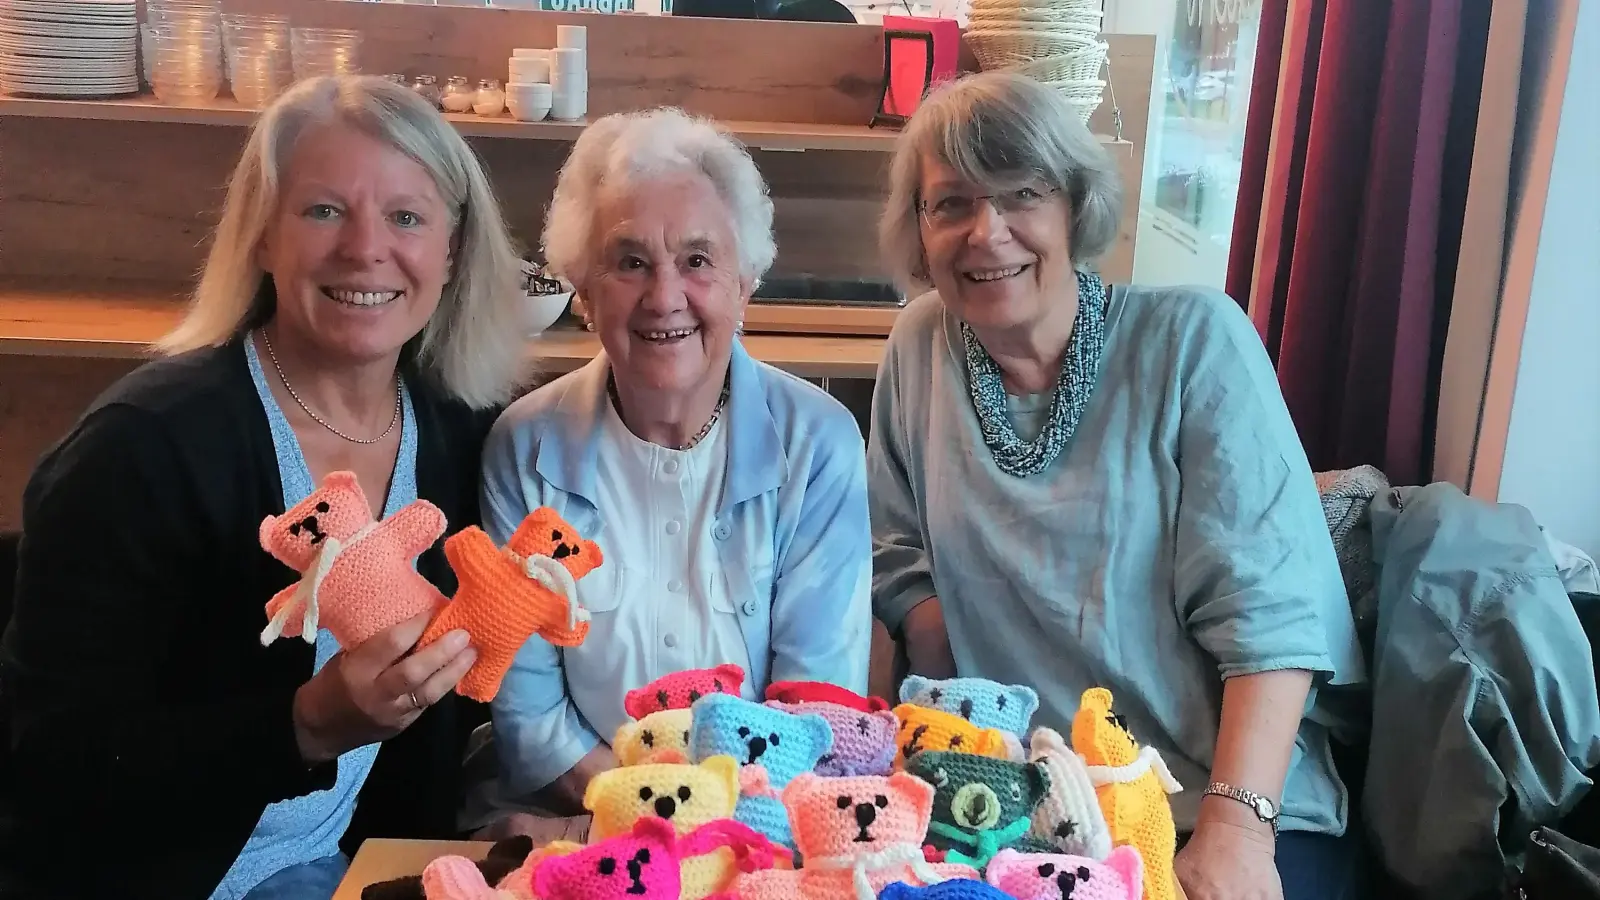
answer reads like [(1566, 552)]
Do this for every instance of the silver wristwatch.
[(1263, 807)]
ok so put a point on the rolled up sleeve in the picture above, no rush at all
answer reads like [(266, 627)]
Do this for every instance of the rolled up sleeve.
[(902, 573), (1256, 579), (539, 733), (822, 602)]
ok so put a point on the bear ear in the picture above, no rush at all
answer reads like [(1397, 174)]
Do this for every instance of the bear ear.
[(732, 673), (1126, 861), (911, 687), (1095, 699), (1026, 699), (917, 792), (636, 702), (625, 733), (596, 791), (268, 526), (798, 787), (657, 829), (876, 704), (1046, 740), (821, 733), (1000, 864), (888, 718), (905, 712), (344, 481), (726, 770)]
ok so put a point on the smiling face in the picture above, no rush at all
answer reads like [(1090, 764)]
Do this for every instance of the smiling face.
[(358, 247), (995, 271), (664, 292)]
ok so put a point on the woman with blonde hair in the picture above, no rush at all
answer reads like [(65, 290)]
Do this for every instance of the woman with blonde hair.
[(1077, 484), (355, 314)]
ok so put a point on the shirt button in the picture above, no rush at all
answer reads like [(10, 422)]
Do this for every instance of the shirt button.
[(674, 586), (749, 608), (670, 467), (670, 640), (721, 532), (673, 526)]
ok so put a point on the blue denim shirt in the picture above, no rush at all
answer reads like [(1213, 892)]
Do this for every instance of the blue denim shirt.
[(792, 532)]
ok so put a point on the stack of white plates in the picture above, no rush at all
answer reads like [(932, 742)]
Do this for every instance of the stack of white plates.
[(69, 48)]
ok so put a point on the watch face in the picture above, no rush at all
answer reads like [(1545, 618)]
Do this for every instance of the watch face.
[(1264, 808)]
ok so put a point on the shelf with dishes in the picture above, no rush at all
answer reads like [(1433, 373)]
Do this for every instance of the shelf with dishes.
[(123, 319)]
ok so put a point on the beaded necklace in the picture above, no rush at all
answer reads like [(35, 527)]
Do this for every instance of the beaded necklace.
[(1074, 387)]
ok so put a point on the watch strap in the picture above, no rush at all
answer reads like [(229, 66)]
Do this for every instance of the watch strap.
[(1258, 803)]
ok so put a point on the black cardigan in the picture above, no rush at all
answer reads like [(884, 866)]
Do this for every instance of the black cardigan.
[(148, 728)]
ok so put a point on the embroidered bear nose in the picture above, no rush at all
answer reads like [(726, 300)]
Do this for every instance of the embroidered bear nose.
[(758, 746), (665, 807), (866, 814), (966, 708), (563, 551)]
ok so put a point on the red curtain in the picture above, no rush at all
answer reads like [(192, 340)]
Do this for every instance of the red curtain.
[(1344, 203)]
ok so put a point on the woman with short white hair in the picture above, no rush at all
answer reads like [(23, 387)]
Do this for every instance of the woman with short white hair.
[(355, 314), (1079, 485), (729, 497)]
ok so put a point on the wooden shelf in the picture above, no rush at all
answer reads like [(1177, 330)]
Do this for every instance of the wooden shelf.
[(121, 320), (757, 135)]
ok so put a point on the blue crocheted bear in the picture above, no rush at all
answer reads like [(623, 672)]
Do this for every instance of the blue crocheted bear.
[(954, 889), (984, 703), (772, 747)]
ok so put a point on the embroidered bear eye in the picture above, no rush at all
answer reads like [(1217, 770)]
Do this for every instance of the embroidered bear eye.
[(645, 793), (322, 507), (648, 739), (955, 741), (1000, 702), (966, 708), (294, 529), (934, 695), (1083, 873), (693, 696), (555, 535), (683, 793), (772, 739), (1066, 828), (744, 732), (882, 801), (607, 865), (1047, 869), (1016, 792), (863, 725), (844, 802), (717, 683), (643, 856), (661, 698), (941, 778), (686, 737)]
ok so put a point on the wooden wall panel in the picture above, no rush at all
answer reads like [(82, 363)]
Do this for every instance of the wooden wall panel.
[(727, 68), (40, 398)]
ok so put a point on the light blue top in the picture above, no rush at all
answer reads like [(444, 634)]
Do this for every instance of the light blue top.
[(790, 529), (1178, 540), (302, 829)]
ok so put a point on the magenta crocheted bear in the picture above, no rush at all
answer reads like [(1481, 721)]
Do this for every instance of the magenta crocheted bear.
[(644, 865)]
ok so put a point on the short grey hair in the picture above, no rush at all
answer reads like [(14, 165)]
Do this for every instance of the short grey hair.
[(993, 128), (473, 347), (624, 148)]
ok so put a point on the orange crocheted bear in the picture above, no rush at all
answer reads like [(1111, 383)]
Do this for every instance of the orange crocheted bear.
[(508, 595), (1132, 784), (357, 577)]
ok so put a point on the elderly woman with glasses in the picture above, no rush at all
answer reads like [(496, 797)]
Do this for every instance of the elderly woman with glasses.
[(1078, 485), (729, 498)]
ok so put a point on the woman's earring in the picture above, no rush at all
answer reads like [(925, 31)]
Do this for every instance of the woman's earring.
[(587, 324), (738, 327)]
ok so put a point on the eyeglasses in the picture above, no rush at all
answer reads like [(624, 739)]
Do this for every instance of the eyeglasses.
[(958, 209)]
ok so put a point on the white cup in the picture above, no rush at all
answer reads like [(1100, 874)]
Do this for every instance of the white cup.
[(529, 69), (569, 105), (572, 36), (570, 82), (529, 102), (568, 59), (531, 52)]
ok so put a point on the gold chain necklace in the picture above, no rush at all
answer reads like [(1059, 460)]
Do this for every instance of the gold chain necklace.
[(320, 421), (716, 413)]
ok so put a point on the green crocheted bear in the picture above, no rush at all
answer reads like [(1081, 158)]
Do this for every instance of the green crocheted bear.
[(981, 805)]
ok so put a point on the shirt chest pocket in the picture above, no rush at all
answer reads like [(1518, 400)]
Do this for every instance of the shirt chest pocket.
[(746, 578)]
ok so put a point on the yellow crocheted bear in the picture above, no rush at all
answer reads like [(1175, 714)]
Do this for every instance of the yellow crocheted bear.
[(660, 737), (687, 796), (1132, 784)]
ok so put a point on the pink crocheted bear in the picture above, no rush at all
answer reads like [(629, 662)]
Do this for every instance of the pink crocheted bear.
[(855, 835), (357, 577), (681, 689), (644, 865), (1054, 876)]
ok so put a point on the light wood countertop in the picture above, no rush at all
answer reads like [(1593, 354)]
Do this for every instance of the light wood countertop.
[(121, 320)]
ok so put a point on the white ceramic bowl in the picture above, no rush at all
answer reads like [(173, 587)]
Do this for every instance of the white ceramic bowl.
[(528, 102), (528, 69), (540, 311)]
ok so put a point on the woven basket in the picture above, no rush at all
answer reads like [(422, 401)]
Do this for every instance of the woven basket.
[(1055, 42), (1080, 66)]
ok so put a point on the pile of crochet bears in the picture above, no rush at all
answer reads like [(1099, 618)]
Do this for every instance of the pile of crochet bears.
[(822, 794)]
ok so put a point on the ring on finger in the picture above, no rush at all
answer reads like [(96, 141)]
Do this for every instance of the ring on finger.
[(415, 703)]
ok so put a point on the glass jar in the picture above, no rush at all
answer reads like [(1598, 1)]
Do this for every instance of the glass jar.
[(428, 87), (490, 99), (457, 96)]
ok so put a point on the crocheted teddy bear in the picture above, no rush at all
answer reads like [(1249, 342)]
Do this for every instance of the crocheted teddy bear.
[(863, 742), (504, 858), (681, 689), (925, 728), (356, 574), (457, 878), (1068, 819), (782, 744), (955, 889), (645, 864), (1051, 876), (857, 835), (1132, 784), (1007, 708), (822, 692), (980, 805), (661, 737), (688, 796), (507, 596)]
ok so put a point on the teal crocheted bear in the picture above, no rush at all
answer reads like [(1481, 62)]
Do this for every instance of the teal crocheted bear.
[(984, 703), (981, 805)]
